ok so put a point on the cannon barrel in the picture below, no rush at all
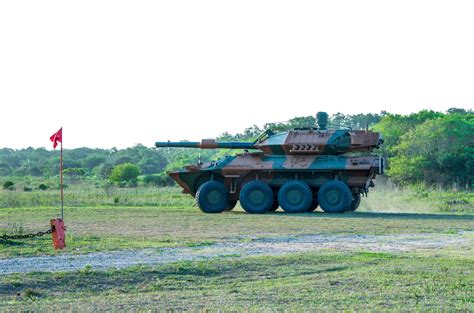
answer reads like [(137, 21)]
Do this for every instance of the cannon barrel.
[(207, 144)]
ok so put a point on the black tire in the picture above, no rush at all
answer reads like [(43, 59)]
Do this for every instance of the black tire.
[(295, 196), (212, 197), (355, 202), (256, 197), (334, 197), (314, 204), (231, 205)]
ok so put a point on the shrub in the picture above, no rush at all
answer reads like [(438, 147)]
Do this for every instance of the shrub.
[(9, 185), (105, 170), (161, 179), (43, 187), (125, 174), (74, 175), (153, 180)]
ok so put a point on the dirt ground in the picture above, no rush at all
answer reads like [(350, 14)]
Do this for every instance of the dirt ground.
[(242, 247)]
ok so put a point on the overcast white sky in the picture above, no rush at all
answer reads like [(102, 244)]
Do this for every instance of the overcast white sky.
[(117, 73)]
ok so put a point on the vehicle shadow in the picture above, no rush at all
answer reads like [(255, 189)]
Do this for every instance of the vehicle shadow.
[(371, 215), (386, 215)]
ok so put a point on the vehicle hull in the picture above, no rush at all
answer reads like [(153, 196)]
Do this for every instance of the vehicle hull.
[(315, 170)]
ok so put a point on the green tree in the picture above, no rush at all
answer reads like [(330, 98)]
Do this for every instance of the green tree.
[(394, 126), (5, 169), (438, 151), (459, 111), (125, 174), (357, 121), (74, 174), (104, 170), (123, 160), (153, 165), (93, 161)]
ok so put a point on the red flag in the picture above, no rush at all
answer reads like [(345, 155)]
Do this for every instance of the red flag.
[(57, 137)]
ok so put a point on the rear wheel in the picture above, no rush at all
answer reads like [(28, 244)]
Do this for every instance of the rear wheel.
[(295, 196), (212, 197), (256, 197), (355, 202), (334, 197)]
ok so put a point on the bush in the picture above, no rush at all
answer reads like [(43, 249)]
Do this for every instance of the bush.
[(43, 187), (9, 185), (105, 170), (125, 174), (158, 180), (153, 180), (74, 172), (109, 188)]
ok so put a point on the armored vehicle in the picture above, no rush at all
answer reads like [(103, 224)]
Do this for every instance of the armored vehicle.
[(296, 170)]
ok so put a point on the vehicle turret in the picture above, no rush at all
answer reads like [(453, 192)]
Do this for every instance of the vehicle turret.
[(308, 141)]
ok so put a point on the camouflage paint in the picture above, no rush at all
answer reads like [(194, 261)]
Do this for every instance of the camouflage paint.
[(310, 154)]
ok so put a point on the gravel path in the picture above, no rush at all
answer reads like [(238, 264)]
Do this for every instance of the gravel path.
[(245, 247)]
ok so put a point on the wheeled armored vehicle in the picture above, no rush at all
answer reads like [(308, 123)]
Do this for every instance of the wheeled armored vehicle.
[(297, 170)]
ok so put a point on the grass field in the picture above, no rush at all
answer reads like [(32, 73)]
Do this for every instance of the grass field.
[(437, 278)]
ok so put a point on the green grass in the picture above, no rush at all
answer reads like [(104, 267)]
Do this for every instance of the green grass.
[(174, 221), (324, 281), (417, 200), (161, 217), (95, 229), (383, 198), (90, 195)]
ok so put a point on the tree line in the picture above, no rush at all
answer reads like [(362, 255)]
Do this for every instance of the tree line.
[(425, 147)]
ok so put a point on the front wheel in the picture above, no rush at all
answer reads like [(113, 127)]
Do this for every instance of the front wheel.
[(334, 197), (212, 197)]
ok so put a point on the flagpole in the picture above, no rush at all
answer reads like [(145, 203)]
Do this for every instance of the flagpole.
[(61, 181)]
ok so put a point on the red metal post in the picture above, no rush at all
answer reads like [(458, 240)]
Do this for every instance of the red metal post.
[(58, 234)]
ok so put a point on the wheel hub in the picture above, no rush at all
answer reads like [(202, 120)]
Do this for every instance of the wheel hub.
[(257, 196), (294, 196), (333, 196), (213, 197)]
